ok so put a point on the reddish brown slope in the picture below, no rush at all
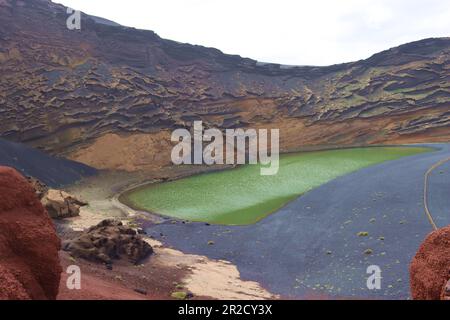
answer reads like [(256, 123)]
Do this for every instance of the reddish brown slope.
[(29, 262), (430, 268)]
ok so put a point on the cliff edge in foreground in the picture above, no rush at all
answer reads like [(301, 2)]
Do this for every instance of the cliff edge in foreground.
[(430, 268), (29, 261)]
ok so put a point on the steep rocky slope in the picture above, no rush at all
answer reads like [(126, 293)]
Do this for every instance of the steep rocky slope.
[(29, 261), (72, 92)]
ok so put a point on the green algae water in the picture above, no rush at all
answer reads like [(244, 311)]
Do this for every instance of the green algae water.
[(242, 196)]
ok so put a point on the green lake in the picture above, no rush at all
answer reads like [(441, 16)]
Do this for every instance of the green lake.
[(242, 196)]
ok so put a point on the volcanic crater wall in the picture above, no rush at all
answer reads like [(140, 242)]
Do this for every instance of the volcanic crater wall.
[(63, 90)]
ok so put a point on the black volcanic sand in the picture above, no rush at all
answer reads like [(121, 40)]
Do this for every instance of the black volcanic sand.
[(53, 171), (312, 247)]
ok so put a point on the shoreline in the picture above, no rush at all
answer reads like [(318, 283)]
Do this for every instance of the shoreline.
[(123, 196), (218, 278)]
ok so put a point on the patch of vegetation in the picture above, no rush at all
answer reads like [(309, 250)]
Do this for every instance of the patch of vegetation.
[(179, 295)]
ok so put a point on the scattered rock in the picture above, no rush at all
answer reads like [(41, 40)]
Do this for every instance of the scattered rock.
[(141, 231), (107, 241), (141, 291), (60, 204), (368, 252), (211, 243), (29, 260), (189, 295), (430, 268)]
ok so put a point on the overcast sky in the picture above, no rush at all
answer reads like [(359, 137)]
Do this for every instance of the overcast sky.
[(299, 32)]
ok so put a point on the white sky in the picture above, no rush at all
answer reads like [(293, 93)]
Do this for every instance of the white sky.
[(300, 32)]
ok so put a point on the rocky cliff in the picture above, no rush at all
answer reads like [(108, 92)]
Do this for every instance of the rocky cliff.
[(73, 92)]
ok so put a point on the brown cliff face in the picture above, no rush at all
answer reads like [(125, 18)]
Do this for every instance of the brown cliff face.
[(66, 90), (430, 268), (29, 261)]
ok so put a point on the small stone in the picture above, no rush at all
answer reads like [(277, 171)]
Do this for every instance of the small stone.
[(211, 243), (189, 295), (141, 291), (368, 252), (363, 234)]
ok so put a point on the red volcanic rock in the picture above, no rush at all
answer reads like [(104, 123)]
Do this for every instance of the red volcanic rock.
[(29, 262), (430, 268)]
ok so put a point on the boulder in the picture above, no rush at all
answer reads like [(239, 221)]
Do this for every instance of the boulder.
[(29, 261), (430, 268), (108, 241), (60, 204)]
